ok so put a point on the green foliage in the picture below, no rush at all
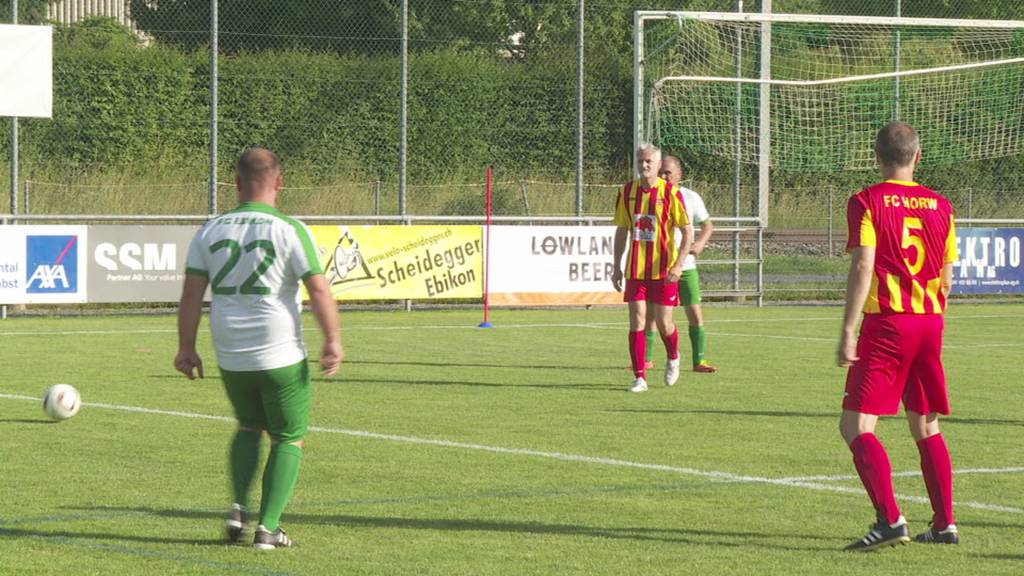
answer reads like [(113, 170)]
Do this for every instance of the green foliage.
[(29, 12)]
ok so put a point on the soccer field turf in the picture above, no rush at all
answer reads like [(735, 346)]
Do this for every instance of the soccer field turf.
[(441, 448)]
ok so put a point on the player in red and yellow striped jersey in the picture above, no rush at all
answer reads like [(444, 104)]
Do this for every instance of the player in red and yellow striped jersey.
[(647, 211), (903, 242)]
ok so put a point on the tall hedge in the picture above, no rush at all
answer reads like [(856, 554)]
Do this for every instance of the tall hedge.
[(121, 104)]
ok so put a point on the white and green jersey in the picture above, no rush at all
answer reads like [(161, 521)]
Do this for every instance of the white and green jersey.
[(698, 214), (255, 258)]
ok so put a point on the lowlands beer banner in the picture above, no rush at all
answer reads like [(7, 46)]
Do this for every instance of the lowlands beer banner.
[(552, 265), (401, 262)]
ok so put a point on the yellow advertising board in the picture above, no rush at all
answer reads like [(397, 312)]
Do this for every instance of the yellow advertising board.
[(401, 262)]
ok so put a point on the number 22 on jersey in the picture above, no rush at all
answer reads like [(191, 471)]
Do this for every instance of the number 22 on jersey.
[(249, 286)]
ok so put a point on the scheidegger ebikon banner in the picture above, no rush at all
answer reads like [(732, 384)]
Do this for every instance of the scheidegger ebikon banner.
[(401, 262)]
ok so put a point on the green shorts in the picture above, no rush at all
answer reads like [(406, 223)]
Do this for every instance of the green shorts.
[(274, 400), (689, 288)]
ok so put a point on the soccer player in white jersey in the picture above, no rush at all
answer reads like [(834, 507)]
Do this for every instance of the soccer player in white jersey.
[(254, 258), (689, 284)]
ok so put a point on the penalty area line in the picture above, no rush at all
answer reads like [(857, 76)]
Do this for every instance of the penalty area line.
[(725, 477)]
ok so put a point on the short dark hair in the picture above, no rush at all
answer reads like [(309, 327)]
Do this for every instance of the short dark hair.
[(896, 144), (257, 166)]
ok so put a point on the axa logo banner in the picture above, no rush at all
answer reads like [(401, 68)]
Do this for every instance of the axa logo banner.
[(52, 264), (42, 264)]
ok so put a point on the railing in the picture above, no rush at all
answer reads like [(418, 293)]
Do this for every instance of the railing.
[(738, 227)]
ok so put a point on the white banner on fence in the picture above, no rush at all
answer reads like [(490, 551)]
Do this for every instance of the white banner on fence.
[(42, 264), (552, 265), (26, 71)]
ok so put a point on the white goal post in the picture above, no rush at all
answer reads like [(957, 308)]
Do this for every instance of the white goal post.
[(808, 92)]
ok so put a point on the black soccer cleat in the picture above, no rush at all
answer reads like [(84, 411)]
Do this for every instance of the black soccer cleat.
[(882, 535), (948, 536), (267, 540), (236, 526)]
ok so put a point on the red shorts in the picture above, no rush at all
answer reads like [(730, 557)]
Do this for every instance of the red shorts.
[(900, 359), (654, 291)]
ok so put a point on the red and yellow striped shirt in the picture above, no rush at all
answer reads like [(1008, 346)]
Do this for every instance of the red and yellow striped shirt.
[(650, 214), (914, 235)]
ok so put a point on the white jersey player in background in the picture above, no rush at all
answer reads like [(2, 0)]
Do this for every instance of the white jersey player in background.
[(689, 284)]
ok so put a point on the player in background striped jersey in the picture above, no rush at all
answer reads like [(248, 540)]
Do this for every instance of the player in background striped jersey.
[(689, 285), (902, 240), (647, 212)]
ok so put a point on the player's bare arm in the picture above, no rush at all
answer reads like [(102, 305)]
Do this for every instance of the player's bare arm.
[(326, 312), (702, 239), (190, 310), (858, 283), (947, 279), (619, 248), (676, 271)]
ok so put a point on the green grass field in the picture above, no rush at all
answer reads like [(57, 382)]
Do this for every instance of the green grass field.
[(441, 448)]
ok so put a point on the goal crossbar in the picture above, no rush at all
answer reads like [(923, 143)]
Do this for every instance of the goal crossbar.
[(644, 15), (862, 77)]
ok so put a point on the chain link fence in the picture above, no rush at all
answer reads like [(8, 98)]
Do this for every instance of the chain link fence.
[(489, 82)]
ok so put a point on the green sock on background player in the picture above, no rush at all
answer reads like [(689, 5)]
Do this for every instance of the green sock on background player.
[(697, 344), (279, 481), (245, 458), (652, 336)]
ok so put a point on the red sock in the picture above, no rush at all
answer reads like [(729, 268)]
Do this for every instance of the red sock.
[(875, 470), (672, 345), (638, 352), (937, 468)]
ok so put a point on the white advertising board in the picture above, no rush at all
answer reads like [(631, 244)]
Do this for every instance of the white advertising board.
[(26, 71), (552, 265)]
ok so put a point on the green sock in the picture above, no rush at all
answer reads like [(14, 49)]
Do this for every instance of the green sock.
[(245, 457), (652, 335), (697, 343), (279, 479)]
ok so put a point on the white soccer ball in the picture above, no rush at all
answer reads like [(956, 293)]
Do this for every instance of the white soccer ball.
[(61, 401)]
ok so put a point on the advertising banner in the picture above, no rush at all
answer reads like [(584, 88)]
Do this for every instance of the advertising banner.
[(137, 263), (552, 265), (990, 261), (42, 264), (401, 262)]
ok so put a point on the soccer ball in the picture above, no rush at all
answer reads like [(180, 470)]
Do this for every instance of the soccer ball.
[(61, 401)]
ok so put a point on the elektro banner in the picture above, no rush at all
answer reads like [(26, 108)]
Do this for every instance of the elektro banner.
[(552, 265), (990, 261), (401, 262), (42, 264)]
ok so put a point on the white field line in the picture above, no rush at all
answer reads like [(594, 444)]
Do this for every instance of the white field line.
[(593, 325), (907, 474), (709, 474)]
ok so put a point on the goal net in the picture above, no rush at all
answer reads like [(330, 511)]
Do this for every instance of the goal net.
[(809, 93)]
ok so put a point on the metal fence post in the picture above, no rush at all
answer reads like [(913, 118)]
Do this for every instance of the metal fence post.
[(376, 198), (26, 187), (526, 199), (737, 168), (14, 136), (831, 228), (579, 109), (760, 266), (970, 203), (403, 114), (211, 201)]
